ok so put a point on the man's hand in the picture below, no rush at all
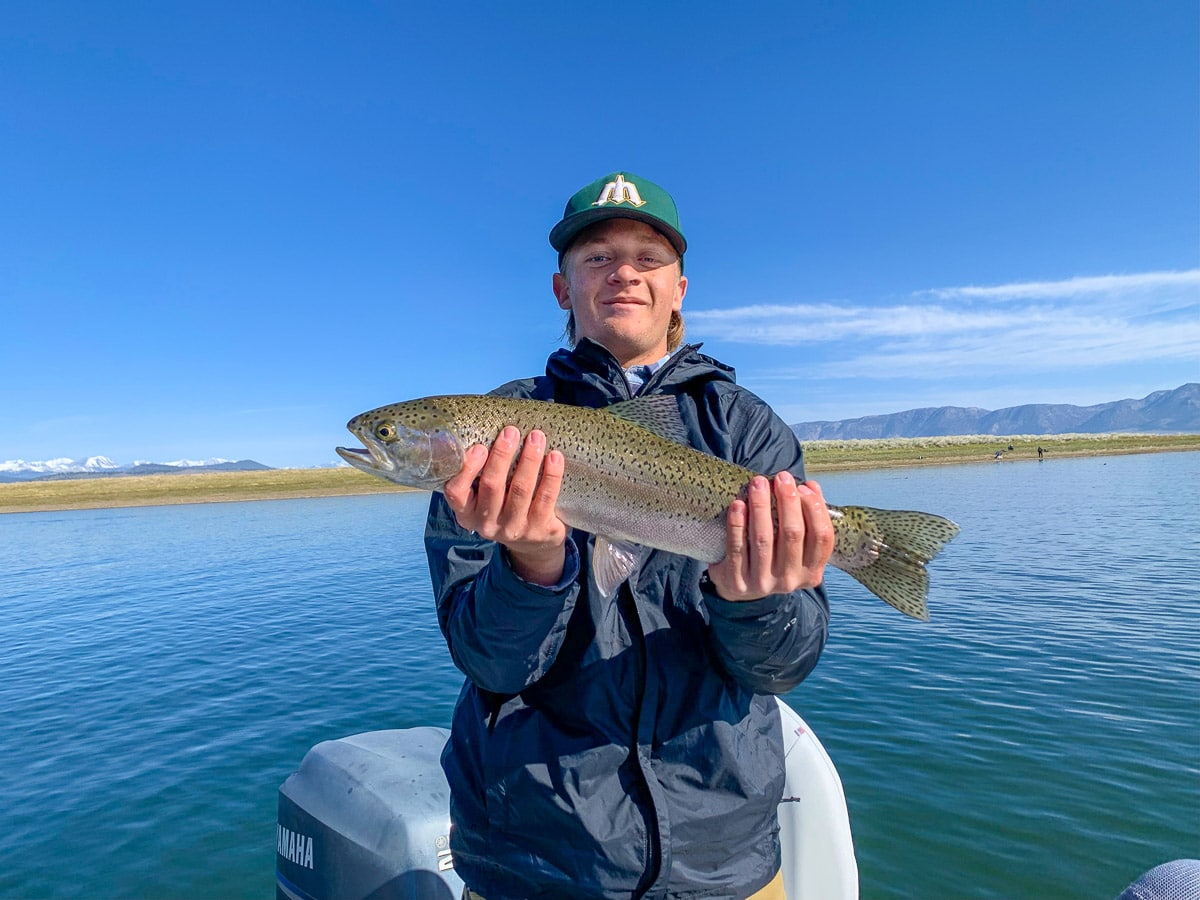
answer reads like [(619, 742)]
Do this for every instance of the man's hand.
[(762, 557), (517, 512)]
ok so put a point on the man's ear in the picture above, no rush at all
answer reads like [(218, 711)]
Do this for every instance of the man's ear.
[(562, 290)]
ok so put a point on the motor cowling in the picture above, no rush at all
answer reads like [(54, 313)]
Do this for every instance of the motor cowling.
[(366, 817)]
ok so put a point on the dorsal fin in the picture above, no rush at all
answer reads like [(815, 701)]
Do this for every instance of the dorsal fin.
[(658, 413)]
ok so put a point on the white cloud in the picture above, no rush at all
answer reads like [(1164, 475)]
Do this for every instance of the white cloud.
[(1039, 326), (802, 324), (1139, 284)]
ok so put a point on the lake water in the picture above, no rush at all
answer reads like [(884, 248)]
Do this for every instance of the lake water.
[(163, 670)]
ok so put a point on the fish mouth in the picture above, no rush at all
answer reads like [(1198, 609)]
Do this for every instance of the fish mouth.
[(367, 460)]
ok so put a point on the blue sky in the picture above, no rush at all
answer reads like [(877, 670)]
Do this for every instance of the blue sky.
[(227, 227)]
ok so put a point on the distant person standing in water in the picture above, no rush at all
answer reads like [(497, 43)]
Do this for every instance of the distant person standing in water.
[(625, 746)]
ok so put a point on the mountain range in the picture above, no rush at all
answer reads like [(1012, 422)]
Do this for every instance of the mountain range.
[(1162, 412), (103, 467)]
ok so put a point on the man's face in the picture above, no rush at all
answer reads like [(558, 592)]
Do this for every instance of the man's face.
[(622, 280)]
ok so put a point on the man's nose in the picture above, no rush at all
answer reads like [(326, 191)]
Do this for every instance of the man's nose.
[(626, 271)]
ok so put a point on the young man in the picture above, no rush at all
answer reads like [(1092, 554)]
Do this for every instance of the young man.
[(627, 746)]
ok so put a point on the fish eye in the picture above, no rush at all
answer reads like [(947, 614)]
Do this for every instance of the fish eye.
[(385, 431)]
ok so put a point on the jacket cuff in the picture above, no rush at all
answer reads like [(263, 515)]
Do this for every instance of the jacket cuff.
[(738, 609), (735, 610), (570, 573)]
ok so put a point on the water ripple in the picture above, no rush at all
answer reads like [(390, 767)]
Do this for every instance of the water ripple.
[(165, 669)]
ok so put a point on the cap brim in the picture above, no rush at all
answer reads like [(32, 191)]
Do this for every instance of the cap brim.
[(564, 233)]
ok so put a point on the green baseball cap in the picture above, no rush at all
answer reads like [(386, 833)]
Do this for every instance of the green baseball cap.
[(619, 196)]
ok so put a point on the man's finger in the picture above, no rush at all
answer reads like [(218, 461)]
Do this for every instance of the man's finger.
[(493, 480), (459, 490), (760, 533), (790, 543), (524, 481), (818, 529), (546, 498), (729, 575)]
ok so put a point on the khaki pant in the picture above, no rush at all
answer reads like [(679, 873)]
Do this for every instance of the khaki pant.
[(773, 891)]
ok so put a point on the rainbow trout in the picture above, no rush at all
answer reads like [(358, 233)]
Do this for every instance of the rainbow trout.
[(629, 479)]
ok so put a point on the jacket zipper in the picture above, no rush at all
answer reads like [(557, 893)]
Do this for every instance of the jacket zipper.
[(653, 844), (659, 376)]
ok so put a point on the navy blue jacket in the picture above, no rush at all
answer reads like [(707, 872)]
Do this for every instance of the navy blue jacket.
[(629, 747)]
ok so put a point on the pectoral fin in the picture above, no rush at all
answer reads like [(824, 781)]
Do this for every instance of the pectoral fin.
[(612, 563)]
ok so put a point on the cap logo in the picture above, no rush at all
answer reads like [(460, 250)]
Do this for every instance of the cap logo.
[(620, 191)]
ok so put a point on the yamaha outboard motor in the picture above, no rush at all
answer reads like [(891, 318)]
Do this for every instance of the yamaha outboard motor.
[(367, 817)]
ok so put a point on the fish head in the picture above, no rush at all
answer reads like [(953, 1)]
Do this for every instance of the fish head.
[(413, 443)]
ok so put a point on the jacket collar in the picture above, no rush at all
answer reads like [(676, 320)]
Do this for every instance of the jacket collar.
[(594, 369)]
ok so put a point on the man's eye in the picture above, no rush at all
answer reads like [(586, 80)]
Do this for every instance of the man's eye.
[(597, 258), (651, 262)]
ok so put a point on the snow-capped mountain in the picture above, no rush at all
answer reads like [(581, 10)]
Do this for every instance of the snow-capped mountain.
[(60, 466), (99, 466)]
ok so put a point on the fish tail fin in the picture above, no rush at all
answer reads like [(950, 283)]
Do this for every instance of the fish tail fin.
[(885, 550)]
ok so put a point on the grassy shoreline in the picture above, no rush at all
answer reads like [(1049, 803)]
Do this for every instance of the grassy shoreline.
[(820, 456)]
